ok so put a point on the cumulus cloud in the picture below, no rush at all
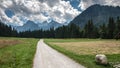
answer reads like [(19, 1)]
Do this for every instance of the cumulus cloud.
[(63, 12), (42, 10), (37, 10), (50, 3), (86, 3)]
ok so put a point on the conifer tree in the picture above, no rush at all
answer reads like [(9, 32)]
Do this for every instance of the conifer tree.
[(111, 28)]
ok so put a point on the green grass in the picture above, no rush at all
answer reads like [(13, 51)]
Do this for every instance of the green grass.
[(86, 60), (18, 55), (71, 40)]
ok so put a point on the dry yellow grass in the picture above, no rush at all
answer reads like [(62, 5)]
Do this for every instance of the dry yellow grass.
[(92, 47), (4, 42)]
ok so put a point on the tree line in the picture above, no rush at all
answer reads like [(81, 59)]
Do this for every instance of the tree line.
[(7, 31), (105, 31)]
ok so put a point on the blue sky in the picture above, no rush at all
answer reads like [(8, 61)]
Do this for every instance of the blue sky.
[(17, 12), (75, 4), (9, 13)]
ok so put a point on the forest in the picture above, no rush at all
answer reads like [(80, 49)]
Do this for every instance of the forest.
[(111, 30)]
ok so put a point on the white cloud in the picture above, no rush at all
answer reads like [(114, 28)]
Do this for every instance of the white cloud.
[(86, 3), (63, 12), (6, 3), (37, 10), (42, 10), (14, 20)]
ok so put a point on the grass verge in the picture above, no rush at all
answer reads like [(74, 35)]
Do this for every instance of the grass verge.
[(17, 55)]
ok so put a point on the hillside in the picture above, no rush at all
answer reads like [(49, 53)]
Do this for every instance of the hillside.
[(99, 14)]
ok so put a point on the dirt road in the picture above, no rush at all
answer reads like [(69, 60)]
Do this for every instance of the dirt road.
[(46, 57)]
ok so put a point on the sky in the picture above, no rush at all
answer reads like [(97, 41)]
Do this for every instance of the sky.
[(17, 12)]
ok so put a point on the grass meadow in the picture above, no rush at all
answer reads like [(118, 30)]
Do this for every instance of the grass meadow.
[(17, 52), (83, 51)]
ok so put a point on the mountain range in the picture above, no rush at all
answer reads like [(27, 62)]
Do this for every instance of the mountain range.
[(31, 26), (98, 13)]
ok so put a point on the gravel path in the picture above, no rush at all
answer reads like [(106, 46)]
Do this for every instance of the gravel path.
[(46, 57)]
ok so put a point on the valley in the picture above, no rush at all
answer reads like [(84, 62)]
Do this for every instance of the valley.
[(59, 33)]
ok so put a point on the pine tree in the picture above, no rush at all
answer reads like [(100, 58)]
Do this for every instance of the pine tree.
[(103, 31), (7, 31), (118, 25), (89, 29), (117, 30), (74, 31), (111, 28)]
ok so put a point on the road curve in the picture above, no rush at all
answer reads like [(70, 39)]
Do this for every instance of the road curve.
[(46, 57)]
